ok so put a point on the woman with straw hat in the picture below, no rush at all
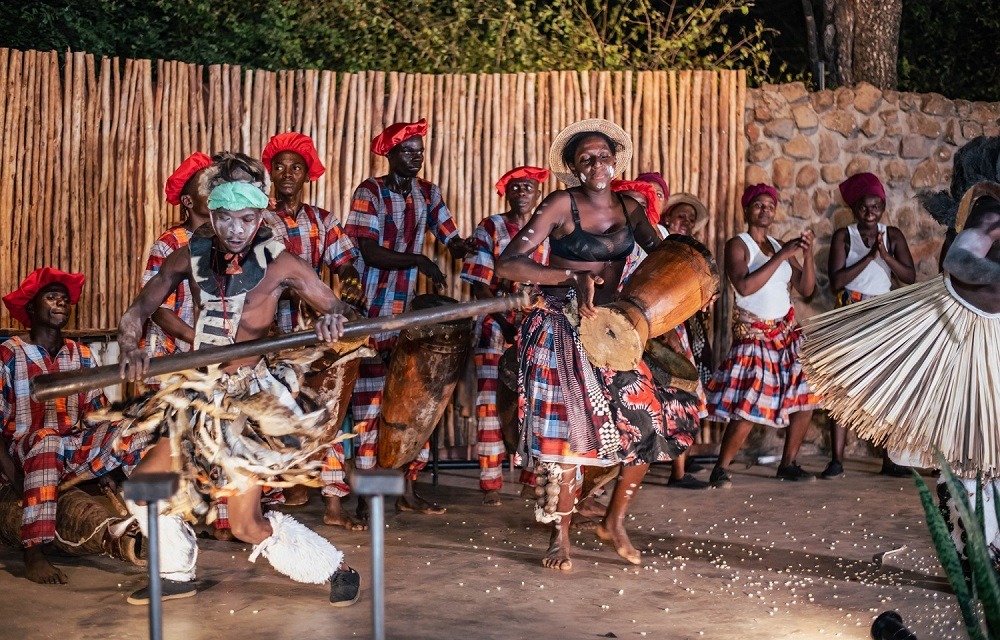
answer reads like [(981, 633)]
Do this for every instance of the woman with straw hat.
[(573, 413)]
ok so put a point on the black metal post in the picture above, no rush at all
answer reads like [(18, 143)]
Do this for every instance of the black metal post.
[(151, 488), (376, 484)]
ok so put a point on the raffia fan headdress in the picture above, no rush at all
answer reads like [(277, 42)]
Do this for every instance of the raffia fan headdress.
[(623, 154), (978, 161)]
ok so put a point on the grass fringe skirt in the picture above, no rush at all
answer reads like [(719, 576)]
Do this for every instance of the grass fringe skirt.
[(915, 369)]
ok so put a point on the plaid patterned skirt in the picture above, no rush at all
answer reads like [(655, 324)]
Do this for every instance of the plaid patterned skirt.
[(761, 379), (572, 412)]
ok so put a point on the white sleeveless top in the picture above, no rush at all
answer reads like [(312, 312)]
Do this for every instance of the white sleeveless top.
[(875, 279), (771, 301)]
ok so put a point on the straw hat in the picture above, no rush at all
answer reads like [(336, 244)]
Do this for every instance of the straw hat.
[(700, 210), (623, 156)]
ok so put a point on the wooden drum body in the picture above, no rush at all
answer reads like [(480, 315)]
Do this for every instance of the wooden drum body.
[(425, 367), (331, 379), (507, 400), (675, 281)]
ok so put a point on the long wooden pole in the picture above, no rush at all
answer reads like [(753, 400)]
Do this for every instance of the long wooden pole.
[(57, 385)]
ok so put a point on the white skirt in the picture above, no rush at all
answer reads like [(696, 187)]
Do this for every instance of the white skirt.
[(916, 369)]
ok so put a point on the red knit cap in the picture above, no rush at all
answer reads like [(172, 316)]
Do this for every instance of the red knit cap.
[(17, 300), (655, 178), (860, 185), (383, 143), (646, 190), (755, 190), (533, 173), (191, 165), (297, 143)]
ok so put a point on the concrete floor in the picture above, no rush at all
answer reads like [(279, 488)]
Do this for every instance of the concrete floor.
[(765, 560)]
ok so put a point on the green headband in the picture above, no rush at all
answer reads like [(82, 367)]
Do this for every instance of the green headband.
[(235, 196)]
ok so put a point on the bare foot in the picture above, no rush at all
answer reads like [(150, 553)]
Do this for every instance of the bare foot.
[(413, 502), (296, 496), (37, 568), (583, 523), (224, 535), (336, 516), (618, 537), (362, 511), (591, 508), (557, 557), (492, 499)]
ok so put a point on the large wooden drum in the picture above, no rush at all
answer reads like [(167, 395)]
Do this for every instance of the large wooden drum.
[(674, 282), (425, 367), (670, 368), (331, 379), (507, 400), (82, 523)]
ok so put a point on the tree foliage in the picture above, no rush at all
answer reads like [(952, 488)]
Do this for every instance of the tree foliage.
[(433, 36), (950, 47)]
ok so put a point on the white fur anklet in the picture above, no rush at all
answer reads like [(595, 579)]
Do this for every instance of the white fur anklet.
[(297, 551), (178, 544)]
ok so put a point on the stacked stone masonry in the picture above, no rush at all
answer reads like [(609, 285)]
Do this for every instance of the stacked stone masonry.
[(806, 143)]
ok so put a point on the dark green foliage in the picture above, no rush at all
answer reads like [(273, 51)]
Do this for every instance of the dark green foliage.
[(951, 47), (432, 36)]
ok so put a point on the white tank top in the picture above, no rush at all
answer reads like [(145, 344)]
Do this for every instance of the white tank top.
[(771, 301), (874, 280)]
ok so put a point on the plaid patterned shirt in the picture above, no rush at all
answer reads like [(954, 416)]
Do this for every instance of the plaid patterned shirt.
[(179, 302), (313, 234), (397, 223), (491, 237), (19, 363)]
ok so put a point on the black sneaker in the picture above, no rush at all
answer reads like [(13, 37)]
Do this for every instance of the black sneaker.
[(345, 587), (688, 481), (832, 470), (894, 470), (721, 478), (172, 590), (795, 473)]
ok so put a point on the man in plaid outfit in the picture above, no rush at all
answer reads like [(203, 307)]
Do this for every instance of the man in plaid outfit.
[(315, 235), (521, 187), (389, 216), (187, 187), (49, 443)]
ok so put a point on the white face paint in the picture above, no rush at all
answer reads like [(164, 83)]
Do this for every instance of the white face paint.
[(531, 230)]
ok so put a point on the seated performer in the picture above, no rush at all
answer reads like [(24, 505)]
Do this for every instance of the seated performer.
[(761, 379), (864, 257), (388, 219), (521, 188), (50, 443), (315, 235), (915, 369), (571, 412), (237, 272)]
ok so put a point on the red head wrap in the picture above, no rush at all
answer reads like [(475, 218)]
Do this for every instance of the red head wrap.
[(17, 300), (383, 143), (191, 165), (755, 190), (533, 173), (296, 143), (646, 190), (655, 178), (860, 185)]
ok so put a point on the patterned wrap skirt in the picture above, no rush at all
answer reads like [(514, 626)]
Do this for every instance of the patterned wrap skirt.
[(572, 412), (761, 379)]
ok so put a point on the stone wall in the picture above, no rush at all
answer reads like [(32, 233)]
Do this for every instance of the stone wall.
[(806, 143)]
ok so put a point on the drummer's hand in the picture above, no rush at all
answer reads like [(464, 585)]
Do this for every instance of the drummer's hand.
[(132, 364), (329, 327), (460, 247), (584, 282), (430, 269), (351, 291)]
